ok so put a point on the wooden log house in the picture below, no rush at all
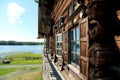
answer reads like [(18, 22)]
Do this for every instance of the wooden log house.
[(82, 37)]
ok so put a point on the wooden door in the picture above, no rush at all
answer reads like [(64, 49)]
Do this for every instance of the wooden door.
[(84, 48)]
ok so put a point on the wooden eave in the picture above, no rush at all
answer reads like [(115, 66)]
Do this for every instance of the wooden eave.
[(45, 22), (81, 7)]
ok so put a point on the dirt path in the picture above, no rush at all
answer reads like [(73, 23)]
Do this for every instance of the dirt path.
[(29, 76), (20, 65), (18, 73)]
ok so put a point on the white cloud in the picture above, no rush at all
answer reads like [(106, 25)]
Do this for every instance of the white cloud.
[(14, 13)]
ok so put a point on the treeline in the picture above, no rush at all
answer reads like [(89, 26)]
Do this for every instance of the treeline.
[(20, 43)]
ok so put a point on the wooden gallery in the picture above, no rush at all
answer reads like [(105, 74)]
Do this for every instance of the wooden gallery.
[(81, 39)]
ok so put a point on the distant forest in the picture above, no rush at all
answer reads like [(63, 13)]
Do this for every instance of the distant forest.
[(20, 43)]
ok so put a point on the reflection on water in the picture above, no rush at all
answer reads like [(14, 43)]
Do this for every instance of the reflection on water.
[(5, 49)]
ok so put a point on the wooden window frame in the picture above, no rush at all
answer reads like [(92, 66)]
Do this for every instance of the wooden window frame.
[(72, 63), (58, 42)]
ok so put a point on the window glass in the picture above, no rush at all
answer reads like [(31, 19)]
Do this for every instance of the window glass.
[(72, 57), (59, 44), (59, 52), (75, 58), (73, 46), (77, 46), (77, 33)]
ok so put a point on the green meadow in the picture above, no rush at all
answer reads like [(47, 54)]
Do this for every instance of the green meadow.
[(25, 58), (21, 59), (30, 76), (6, 71)]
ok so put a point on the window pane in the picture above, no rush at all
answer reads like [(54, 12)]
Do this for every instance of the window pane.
[(77, 33), (59, 45), (60, 37), (72, 57), (59, 52), (77, 46), (73, 46), (75, 58)]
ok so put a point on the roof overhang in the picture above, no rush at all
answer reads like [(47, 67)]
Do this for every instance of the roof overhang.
[(45, 21)]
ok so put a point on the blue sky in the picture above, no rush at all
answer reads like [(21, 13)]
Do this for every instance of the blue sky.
[(18, 20)]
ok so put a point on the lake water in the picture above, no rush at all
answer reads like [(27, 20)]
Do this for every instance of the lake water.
[(4, 49)]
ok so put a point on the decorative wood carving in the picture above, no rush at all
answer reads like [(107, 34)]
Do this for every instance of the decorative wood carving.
[(103, 26)]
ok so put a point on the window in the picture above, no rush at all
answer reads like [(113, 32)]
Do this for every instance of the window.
[(59, 44), (61, 21), (75, 46)]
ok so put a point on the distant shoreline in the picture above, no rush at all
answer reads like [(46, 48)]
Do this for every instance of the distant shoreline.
[(20, 43)]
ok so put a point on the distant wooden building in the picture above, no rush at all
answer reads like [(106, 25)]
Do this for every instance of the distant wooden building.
[(80, 36)]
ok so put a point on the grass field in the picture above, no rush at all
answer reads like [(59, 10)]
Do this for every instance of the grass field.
[(26, 62), (23, 58), (28, 76), (6, 71)]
